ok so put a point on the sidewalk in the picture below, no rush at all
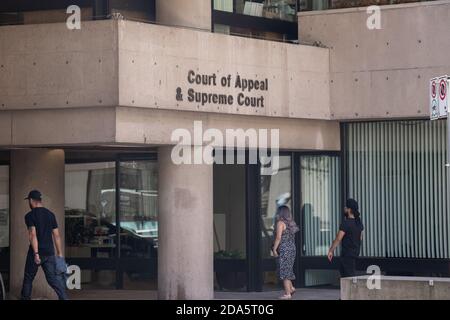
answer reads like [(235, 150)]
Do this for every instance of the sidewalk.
[(301, 294)]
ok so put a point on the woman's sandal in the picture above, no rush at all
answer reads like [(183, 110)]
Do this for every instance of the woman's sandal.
[(286, 297), (293, 292)]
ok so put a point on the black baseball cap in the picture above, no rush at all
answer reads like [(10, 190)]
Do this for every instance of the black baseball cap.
[(34, 195), (352, 204)]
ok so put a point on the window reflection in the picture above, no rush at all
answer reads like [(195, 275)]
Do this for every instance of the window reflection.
[(272, 9), (90, 204), (138, 209), (90, 217), (272, 187), (320, 183), (91, 226), (139, 222)]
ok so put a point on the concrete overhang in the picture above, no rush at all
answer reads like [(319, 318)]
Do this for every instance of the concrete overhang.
[(122, 82)]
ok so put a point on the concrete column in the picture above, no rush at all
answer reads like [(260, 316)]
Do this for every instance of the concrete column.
[(192, 13), (185, 253), (41, 169)]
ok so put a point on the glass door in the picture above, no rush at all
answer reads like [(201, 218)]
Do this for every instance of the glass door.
[(90, 222), (320, 210), (272, 188), (115, 249), (138, 224)]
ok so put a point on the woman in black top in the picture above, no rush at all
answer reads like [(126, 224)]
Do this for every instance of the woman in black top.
[(350, 234)]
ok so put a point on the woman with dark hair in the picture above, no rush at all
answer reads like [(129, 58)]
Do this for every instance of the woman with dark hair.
[(350, 233), (284, 249)]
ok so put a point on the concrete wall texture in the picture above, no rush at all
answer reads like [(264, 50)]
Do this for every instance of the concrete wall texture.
[(99, 77), (48, 66), (396, 288), (384, 73), (151, 71)]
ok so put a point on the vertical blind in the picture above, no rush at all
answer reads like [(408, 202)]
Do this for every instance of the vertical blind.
[(321, 208), (396, 171)]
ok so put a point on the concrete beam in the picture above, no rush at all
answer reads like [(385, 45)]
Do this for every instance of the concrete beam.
[(57, 128), (152, 126)]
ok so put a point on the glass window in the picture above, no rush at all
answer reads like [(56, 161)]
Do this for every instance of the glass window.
[(4, 224), (90, 217), (30, 12), (247, 32), (139, 208), (320, 202), (139, 220), (322, 277), (321, 210), (272, 187), (33, 12), (138, 10), (396, 171), (272, 9)]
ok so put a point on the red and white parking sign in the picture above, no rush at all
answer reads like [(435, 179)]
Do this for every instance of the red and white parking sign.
[(434, 99), (439, 97), (443, 96)]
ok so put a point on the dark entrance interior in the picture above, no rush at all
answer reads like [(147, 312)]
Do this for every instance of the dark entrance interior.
[(230, 243), (244, 219)]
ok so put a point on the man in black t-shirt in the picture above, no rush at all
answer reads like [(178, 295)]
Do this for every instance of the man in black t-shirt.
[(350, 234), (44, 235)]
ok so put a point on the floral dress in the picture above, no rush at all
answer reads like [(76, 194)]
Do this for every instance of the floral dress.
[(286, 257)]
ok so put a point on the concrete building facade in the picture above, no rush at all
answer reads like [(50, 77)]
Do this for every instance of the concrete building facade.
[(88, 115)]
